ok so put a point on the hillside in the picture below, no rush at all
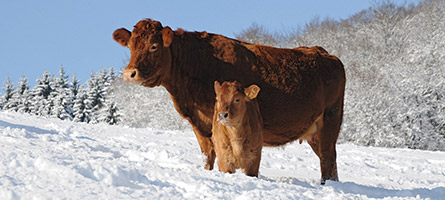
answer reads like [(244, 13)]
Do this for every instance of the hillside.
[(395, 71), (48, 158)]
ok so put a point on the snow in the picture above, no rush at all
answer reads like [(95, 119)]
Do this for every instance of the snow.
[(46, 158)]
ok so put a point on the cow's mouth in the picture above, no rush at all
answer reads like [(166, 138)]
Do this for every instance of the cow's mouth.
[(152, 82)]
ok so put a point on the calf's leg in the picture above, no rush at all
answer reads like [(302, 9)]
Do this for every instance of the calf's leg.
[(224, 152), (252, 166)]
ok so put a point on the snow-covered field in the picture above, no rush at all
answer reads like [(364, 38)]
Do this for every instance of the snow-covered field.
[(44, 158)]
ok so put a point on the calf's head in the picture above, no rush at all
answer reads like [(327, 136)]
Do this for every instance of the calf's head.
[(149, 45), (231, 102)]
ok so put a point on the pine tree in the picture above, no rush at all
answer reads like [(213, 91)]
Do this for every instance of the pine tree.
[(7, 102), (41, 104), (95, 96), (25, 102), (23, 85), (74, 86), (111, 114), (61, 98), (22, 95), (79, 108)]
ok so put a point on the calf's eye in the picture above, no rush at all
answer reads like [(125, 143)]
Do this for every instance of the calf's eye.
[(237, 100), (154, 47)]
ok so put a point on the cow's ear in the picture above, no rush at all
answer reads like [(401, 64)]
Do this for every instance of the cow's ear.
[(167, 36), (252, 91), (122, 36), (217, 86)]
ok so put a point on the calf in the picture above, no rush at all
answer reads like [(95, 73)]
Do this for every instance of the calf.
[(237, 128)]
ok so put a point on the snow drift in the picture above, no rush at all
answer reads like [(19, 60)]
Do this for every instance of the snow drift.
[(45, 158)]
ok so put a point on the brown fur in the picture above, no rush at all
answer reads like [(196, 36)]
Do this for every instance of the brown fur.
[(238, 138), (300, 87)]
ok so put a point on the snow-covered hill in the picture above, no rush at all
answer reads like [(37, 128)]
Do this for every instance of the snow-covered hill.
[(44, 158)]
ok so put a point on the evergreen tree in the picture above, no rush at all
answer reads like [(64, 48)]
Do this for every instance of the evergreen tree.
[(22, 95), (25, 102), (7, 102), (61, 98), (41, 104), (111, 114), (95, 96), (23, 85), (74, 87), (79, 108)]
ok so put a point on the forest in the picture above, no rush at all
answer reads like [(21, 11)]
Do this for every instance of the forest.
[(395, 68), (57, 96)]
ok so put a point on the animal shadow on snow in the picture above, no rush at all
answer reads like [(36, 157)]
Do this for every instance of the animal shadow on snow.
[(369, 191), (28, 128), (378, 192)]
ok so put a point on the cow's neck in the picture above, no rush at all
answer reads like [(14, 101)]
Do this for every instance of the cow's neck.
[(187, 85)]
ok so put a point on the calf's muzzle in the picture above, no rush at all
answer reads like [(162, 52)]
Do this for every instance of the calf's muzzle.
[(223, 116)]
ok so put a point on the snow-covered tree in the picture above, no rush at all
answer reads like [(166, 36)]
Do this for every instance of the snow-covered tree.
[(95, 97), (74, 86), (23, 85), (79, 108), (41, 103), (22, 95), (7, 101), (61, 97), (258, 34), (110, 114), (25, 102)]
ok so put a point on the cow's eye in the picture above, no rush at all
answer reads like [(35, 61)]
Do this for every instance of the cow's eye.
[(237, 100), (154, 47)]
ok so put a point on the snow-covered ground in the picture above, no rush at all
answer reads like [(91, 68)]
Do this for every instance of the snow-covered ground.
[(44, 158)]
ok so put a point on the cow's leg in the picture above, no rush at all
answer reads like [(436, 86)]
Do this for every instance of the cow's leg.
[(207, 149), (327, 141)]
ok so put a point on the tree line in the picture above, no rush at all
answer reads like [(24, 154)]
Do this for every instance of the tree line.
[(57, 96)]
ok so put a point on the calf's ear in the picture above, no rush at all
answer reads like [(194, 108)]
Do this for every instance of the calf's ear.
[(217, 86), (252, 91), (167, 36), (122, 36)]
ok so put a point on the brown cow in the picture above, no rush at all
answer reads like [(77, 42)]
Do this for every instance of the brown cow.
[(302, 88), (237, 128)]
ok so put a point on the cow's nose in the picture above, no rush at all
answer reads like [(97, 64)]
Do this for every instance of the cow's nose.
[(223, 116), (129, 75)]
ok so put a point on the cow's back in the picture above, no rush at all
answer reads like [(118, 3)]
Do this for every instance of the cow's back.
[(298, 84)]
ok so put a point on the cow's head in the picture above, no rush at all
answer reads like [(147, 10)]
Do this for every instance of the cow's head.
[(150, 53), (231, 101)]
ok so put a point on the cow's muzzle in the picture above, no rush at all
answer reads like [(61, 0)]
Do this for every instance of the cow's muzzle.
[(130, 76)]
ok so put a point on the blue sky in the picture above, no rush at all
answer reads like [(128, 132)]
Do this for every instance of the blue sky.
[(38, 36)]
